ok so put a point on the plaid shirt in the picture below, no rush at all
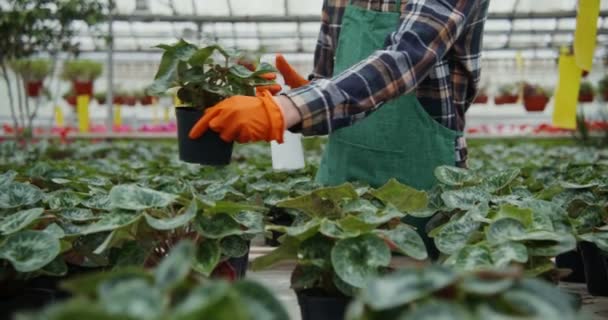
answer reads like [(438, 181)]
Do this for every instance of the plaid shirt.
[(436, 51)]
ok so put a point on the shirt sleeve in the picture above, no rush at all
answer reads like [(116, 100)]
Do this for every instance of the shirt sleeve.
[(426, 33), (325, 48)]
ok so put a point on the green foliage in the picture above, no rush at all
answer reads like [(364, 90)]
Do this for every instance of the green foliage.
[(32, 69), (520, 206), (586, 88), (507, 89), (81, 70), (206, 75), (171, 291), (343, 239), (440, 293)]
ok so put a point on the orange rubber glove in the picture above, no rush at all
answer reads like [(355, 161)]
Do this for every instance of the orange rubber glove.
[(243, 119), (291, 76)]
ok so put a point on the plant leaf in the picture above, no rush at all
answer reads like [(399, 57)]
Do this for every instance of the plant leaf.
[(508, 252), (454, 176), (288, 250), (406, 240), (404, 198), (465, 199), (17, 194), (20, 220), (175, 267), (356, 260), (406, 286), (174, 222), (208, 255), (29, 250), (133, 197)]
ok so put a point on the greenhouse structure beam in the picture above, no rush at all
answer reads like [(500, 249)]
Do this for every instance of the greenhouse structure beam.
[(601, 31), (139, 17)]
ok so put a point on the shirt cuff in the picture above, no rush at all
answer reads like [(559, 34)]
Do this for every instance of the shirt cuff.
[(314, 108)]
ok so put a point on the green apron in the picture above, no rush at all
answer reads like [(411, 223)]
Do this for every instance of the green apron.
[(399, 140)]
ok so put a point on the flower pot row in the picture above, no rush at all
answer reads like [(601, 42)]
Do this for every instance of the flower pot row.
[(121, 100)]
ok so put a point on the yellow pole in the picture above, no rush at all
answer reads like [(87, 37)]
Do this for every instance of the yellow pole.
[(82, 109)]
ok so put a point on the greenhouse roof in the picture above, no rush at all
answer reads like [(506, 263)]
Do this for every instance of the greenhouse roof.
[(291, 26)]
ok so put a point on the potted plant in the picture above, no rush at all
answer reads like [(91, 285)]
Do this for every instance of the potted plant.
[(144, 98), (82, 73), (536, 98), (101, 97), (173, 290), (342, 241), (603, 88), (482, 96), (440, 293), (586, 92), (70, 97), (129, 98), (480, 221), (506, 94), (33, 72), (204, 76)]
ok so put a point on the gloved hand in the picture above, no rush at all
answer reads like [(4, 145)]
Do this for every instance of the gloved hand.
[(291, 76), (273, 88), (243, 119)]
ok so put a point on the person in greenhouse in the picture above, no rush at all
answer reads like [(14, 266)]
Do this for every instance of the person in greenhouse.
[(391, 83)]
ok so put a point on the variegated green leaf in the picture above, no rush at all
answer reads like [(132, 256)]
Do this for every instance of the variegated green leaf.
[(15, 194), (63, 199), (465, 199), (20, 220), (406, 240), (134, 197), (356, 260), (454, 176), (507, 252), (172, 223), (78, 214), (208, 255), (29, 250)]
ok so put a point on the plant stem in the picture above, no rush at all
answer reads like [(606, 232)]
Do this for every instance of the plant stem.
[(10, 96)]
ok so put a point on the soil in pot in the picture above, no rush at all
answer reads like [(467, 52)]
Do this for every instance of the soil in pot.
[(317, 305), (241, 264), (596, 268), (571, 260), (209, 149), (33, 88), (83, 88)]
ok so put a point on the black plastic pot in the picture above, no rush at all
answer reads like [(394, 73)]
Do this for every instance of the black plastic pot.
[(314, 305), (209, 149), (241, 264), (277, 216), (572, 260), (596, 268)]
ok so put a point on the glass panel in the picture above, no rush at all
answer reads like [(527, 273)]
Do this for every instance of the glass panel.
[(258, 7)]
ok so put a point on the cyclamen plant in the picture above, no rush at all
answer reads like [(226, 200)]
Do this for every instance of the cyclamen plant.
[(173, 290), (208, 74), (345, 236), (441, 293)]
